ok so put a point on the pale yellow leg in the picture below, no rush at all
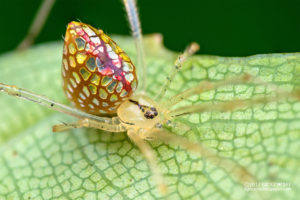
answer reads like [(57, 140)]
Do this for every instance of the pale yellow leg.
[(148, 153), (44, 101), (190, 50), (113, 126), (178, 125), (240, 172), (231, 105), (206, 86), (134, 22), (37, 24)]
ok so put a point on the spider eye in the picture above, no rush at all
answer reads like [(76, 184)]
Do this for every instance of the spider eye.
[(150, 114), (97, 74)]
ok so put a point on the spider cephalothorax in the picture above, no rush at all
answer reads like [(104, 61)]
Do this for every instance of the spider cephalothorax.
[(140, 112)]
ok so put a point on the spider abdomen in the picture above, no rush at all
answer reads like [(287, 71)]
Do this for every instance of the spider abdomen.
[(97, 74)]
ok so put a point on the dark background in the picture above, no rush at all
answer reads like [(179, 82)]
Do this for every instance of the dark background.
[(222, 27)]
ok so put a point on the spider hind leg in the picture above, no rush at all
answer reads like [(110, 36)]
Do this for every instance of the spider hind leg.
[(37, 24), (135, 25)]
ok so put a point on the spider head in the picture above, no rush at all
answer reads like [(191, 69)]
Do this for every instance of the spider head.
[(140, 112)]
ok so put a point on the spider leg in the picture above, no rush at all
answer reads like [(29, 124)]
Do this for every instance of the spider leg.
[(148, 153), (231, 105), (206, 86), (178, 125), (44, 101), (38, 23), (230, 166), (113, 126), (190, 50), (135, 25)]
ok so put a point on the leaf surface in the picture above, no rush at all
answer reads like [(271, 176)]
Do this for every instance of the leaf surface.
[(92, 164)]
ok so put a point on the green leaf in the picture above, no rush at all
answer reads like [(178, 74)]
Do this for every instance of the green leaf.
[(92, 164)]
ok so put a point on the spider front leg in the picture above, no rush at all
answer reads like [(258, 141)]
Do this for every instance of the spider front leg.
[(230, 105), (189, 51), (206, 86), (85, 119), (148, 153), (112, 125)]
